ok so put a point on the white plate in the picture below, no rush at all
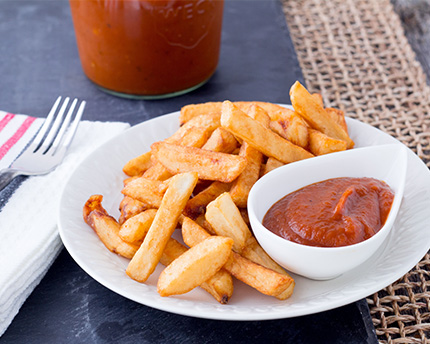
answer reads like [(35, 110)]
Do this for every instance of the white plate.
[(101, 173)]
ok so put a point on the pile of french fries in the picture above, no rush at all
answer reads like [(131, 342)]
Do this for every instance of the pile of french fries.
[(198, 181)]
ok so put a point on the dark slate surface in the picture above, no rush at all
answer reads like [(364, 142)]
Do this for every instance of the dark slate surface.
[(39, 61)]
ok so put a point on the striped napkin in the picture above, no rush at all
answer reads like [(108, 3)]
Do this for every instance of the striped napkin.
[(29, 239)]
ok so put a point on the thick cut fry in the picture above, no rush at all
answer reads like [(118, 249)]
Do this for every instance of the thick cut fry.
[(193, 110), (222, 141), (138, 165), (259, 115), (318, 98), (292, 128), (147, 191), (265, 280), (174, 200), (320, 143), (130, 207), (209, 121), (254, 252), (106, 227), (157, 172), (135, 228), (209, 165), (226, 220), (261, 138), (272, 164), (242, 185), (202, 222), (195, 266), (269, 108), (196, 206), (310, 109), (220, 285), (339, 117)]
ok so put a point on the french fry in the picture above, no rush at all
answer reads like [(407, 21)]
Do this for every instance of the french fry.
[(202, 222), (174, 200), (265, 280), (272, 164), (292, 128), (130, 207), (135, 228), (106, 227), (260, 115), (209, 121), (261, 138), (222, 141), (311, 110), (195, 266), (147, 191), (220, 285), (318, 98), (157, 172), (242, 185), (226, 220), (137, 166), (196, 206), (320, 143), (338, 116), (209, 165), (191, 111), (269, 108)]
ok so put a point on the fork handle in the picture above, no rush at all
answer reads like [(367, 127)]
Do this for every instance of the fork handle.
[(6, 176)]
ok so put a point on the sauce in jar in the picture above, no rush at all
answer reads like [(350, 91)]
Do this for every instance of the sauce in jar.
[(332, 213), (148, 48)]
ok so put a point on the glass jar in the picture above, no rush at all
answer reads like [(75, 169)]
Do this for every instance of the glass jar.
[(148, 49)]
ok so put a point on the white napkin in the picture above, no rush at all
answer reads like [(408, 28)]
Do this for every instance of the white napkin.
[(29, 239)]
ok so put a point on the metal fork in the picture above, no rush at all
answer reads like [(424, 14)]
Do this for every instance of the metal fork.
[(49, 146)]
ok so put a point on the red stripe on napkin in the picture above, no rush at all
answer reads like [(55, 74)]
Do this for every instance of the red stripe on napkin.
[(5, 120), (16, 136)]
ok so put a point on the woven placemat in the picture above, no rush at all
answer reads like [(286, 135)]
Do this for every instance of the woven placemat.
[(355, 53)]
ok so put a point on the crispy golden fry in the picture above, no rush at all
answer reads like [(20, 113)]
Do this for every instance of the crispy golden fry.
[(222, 141), (135, 228), (157, 172), (307, 107), (195, 266), (226, 220), (106, 227), (269, 108), (138, 165), (339, 117), (261, 138), (292, 128), (147, 191), (220, 285), (264, 279), (174, 200), (196, 206), (209, 165), (193, 110), (259, 114), (254, 252), (130, 207), (202, 222), (320, 143), (272, 164), (209, 121), (243, 184), (318, 98)]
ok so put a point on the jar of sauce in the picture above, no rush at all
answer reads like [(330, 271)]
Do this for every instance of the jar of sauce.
[(148, 49), (332, 213)]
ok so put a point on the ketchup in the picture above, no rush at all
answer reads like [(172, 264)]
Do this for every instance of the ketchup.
[(148, 47), (332, 213)]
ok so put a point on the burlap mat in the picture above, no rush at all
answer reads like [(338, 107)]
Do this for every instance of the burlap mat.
[(356, 55)]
